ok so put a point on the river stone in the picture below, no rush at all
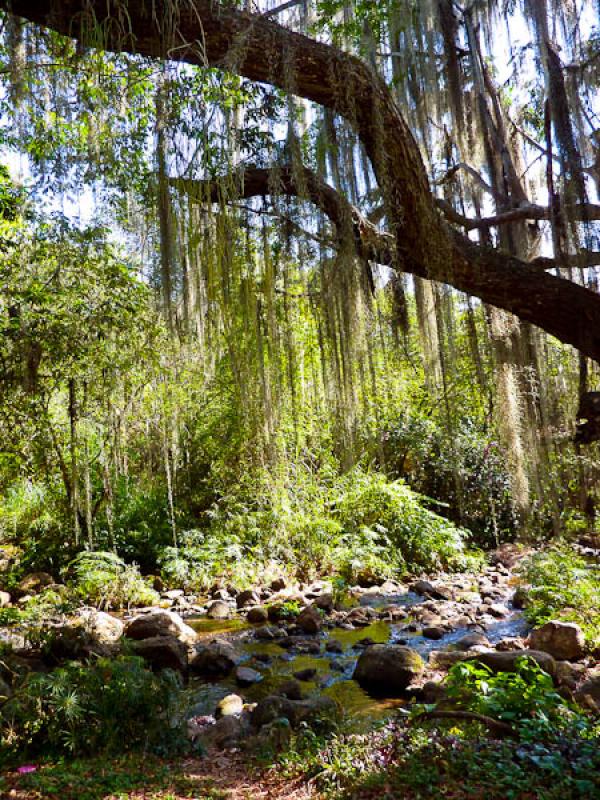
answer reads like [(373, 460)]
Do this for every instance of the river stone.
[(296, 711), (563, 640), (34, 583), (308, 674), (325, 602), (160, 623), (507, 661), (309, 620), (333, 646), (88, 633), (229, 706), (428, 589), (520, 597), (278, 584), (4, 599), (215, 660), (258, 615), (246, 676), (388, 669), (249, 597), (290, 689), (434, 632), (218, 609), (588, 694), (472, 640), (163, 652)]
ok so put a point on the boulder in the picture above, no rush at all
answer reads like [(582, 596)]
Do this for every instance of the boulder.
[(563, 640), (434, 632), (230, 705), (472, 640), (4, 599), (388, 669), (215, 660), (163, 652), (520, 597), (308, 674), (324, 602), (278, 585), (249, 597), (34, 583), (160, 623), (333, 646), (588, 694), (429, 590), (257, 615), (218, 609), (290, 689), (507, 661), (245, 676), (296, 711), (86, 634), (309, 620)]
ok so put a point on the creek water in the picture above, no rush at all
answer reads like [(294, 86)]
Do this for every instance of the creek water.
[(333, 671)]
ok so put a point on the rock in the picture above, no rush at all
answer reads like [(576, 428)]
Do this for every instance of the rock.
[(429, 590), (444, 659), (511, 643), (520, 597), (507, 661), (4, 599), (245, 676), (309, 620), (472, 640), (173, 594), (249, 597), (160, 623), (568, 674), (218, 609), (290, 689), (277, 736), (88, 633), (229, 705), (271, 708), (163, 652), (215, 660), (308, 674), (434, 632), (267, 633), (588, 694), (278, 584), (498, 610), (333, 646), (257, 615), (563, 640), (388, 669), (433, 691), (324, 602), (34, 583), (225, 733)]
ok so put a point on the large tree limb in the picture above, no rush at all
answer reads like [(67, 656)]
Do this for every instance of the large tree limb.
[(206, 33), (370, 243)]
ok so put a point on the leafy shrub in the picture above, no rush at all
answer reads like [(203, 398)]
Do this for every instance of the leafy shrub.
[(393, 522), (109, 706), (518, 697), (104, 580), (563, 585)]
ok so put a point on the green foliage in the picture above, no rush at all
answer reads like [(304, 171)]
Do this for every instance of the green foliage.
[(521, 697), (105, 581), (111, 705), (563, 586)]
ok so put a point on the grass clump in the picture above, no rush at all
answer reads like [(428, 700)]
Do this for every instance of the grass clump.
[(106, 581)]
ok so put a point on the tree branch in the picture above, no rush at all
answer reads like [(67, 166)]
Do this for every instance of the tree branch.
[(586, 212), (370, 243), (496, 728), (208, 33)]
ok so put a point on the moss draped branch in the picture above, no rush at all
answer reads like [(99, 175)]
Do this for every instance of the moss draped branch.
[(207, 33)]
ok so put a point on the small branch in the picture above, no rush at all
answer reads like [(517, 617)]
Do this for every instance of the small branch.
[(283, 7), (496, 728), (584, 212), (449, 175)]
